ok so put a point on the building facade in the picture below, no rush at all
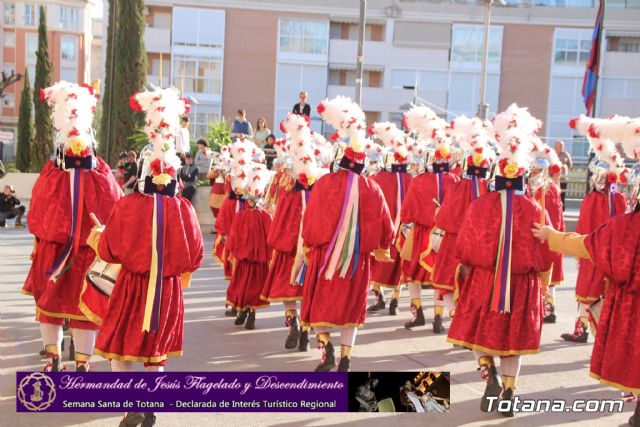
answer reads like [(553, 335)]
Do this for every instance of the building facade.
[(259, 54), (69, 38)]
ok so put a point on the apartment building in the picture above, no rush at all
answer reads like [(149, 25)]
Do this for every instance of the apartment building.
[(69, 38)]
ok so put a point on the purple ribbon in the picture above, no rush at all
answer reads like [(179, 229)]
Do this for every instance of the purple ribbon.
[(440, 189), (345, 202), (474, 187), (506, 261), (155, 314), (77, 174)]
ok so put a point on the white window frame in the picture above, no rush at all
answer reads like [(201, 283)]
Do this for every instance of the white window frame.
[(492, 65), (30, 58), (68, 18), (9, 14), (197, 60), (34, 11), (9, 39), (302, 54)]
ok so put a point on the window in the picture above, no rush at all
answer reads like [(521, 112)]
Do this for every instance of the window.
[(9, 14), (370, 78), (349, 31), (68, 49), (467, 43), (31, 14), (68, 18), (9, 100), (31, 46), (200, 116), (197, 74), (427, 80), (291, 78), (623, 44), (572, 47), (303, 36), (198, 27), (9, 39)]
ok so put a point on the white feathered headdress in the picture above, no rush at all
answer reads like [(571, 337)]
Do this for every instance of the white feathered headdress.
[(348, 119), (72, 110), (431, 130), (392, 138), (515, 130)]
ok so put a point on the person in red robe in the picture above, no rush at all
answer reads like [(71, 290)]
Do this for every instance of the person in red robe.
[(346, 219), (394, 181), (59, 219), (247, 243), (547, 194), (473, 138), (612, 249), (425, 196), (285, 279), (499, 312)]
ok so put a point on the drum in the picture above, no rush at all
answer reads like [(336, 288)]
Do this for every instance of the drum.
[(103, 276), (436, 238)]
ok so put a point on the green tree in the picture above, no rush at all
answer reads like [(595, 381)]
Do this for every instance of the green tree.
[(43, 141), (130, 68), (25, 127), (108, 80)]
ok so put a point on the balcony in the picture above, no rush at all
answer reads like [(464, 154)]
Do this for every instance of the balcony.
[(157, 40), (387, 99), (345, 52), (621, 64)]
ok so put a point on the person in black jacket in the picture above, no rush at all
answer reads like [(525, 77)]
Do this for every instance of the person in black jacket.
[(10, 207), (302, 107), (188, 176)]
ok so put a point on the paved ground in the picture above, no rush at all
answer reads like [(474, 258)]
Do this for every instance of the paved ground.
[(213, 343)]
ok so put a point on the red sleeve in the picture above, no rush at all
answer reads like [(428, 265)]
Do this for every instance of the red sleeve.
[(109, 243), (376, 230)]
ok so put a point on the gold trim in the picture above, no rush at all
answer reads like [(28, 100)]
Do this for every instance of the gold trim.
[(61, 315), (491, 351), (237, 307), (612, 384), (556, 283), (283, 299), (445, 287), (384, 285), (332, 325), (26, 292), (85, 310), (426, 253), (586, 300), (127, 358)]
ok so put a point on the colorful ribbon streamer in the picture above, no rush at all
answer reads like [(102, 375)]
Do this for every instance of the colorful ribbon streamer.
[(501, 295), (345, 243), (475, 187), (70, 249), (613, 189), (440, 188), (152, 306), (299, 266)]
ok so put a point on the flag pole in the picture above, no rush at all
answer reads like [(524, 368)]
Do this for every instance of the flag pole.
[(592, 113)]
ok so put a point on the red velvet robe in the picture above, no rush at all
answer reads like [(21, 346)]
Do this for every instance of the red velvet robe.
[(341, 302), (283, 238), (475, 326), (49, 220), (553, 206), (127, 240), (218, 190), (247, 244), (224, 221), (419, 209), (613, 247), (388, 274), (593, 213), (449, 218)]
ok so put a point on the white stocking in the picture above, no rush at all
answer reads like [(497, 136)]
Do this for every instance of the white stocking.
[(348, 336), (582, 310), (289, 305), (154, 368), (449, 302), (84, 340), (415, 290), (321, 329), (51, 335), (510, 366), (118, 366)]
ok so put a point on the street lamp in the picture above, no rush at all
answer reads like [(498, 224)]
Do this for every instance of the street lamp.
[(360, 58), (483, 107)]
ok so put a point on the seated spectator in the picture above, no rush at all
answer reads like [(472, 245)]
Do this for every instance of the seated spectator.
[(202, 159), (261, 133), (130, 173), (188, 175), (10, 207), (241, 127)]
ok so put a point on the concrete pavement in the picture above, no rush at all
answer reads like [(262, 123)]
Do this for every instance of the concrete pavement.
[(213, 343)]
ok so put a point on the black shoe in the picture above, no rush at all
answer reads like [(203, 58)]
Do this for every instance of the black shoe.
[(579, 335), (304, 340), (84, 367), (550, 318), (634, 420), (149, 419), (293, 338), (328, 361), (345, 364), (62, 345), (379, 304), (231, 312), (507, 394), (43, 352), (72, 349), (3, 224), (393, 307), (65, 325), (132, 419), (242, 316), (54, 365), (251, 321), (492, 389), (437, 324), (418, 318)]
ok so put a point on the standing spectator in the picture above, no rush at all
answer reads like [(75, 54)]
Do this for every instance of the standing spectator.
[(122, 159), (302, 107), (269, 151), (10, 207), (183, 143), (203, 158), (130, 173), (241, 126), (567, 164), (261, 133), (188, 175)]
